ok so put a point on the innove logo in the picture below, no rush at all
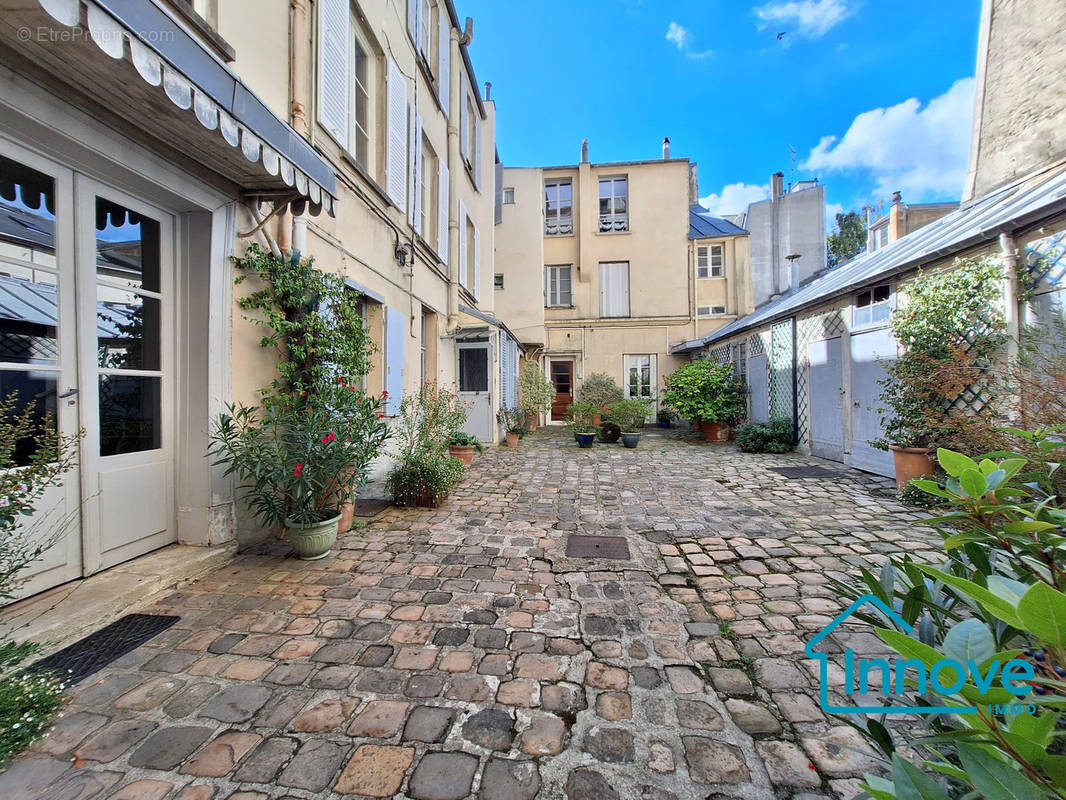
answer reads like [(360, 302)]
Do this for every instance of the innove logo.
[(887, 675)]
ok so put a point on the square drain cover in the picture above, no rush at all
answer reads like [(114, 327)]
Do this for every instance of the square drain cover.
[(597, 547), (81, 659), (805, 472)]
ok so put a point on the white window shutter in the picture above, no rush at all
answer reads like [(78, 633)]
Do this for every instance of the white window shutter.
[(462, 243), (477, 265), (396, 155), (477, 151), (444, 73), (464, 122), (333, 68), (442, 211), (414, 8), (414, 205)]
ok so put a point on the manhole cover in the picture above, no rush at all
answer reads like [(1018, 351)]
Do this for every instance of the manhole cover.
[(597, 547), (805, 472), (96, 651)]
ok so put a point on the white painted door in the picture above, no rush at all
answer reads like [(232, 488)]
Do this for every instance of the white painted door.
[(868, 351), (475, 387), (758, 390), (641, 379), (38, 344), (827, 399), (124, 259)]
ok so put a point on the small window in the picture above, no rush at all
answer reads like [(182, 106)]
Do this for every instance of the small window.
[(872, 307), (710, 261), (704, 311), (710, 311), (717, 311), (557, 287), (508, 195), (497, 280)]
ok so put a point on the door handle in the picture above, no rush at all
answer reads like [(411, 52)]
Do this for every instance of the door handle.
[(68, 393)]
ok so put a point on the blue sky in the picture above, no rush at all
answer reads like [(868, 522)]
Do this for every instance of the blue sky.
[(873, 95)]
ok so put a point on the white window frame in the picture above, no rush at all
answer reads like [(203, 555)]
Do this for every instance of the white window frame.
[(718, 311), (508, 195), (605, 299), (613, 221), (879, 311), (554, 299), (706, 256), (560, 228), (362, 98)]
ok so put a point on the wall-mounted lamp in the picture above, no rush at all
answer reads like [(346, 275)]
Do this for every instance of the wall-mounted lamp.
[(405, 254)]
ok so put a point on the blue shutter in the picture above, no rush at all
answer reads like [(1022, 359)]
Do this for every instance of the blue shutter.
[(394, 337), (508, 372)]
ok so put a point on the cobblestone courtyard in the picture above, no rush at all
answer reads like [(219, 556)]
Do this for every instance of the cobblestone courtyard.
[(459, 652)]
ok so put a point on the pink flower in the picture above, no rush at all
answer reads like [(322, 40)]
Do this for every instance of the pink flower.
[(299, 470), (381, 415), (384, 394)]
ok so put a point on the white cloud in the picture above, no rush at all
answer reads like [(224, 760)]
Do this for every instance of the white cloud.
[(682, 38), (734, 198), (812, 18), (921, 151)]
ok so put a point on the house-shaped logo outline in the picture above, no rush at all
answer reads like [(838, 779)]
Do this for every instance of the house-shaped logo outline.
[(823, 666)]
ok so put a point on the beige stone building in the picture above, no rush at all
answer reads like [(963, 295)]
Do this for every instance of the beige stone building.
[(623, 264), (901, 219)]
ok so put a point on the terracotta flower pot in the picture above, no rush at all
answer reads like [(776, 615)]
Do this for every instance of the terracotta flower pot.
[(911, 463), (512, 439), (531, 422), (347, 508), (464, 452), (597, 419), (715, 431)]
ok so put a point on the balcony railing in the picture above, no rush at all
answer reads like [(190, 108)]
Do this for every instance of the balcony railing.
[(612, 223), (559, 226)]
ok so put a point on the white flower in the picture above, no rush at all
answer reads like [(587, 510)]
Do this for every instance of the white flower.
[(4, 502)]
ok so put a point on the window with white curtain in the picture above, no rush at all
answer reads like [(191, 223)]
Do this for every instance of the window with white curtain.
[(557, 287)]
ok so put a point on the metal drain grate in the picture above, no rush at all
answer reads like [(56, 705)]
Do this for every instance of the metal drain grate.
[(81, 659), (597, 547), (805, 472)]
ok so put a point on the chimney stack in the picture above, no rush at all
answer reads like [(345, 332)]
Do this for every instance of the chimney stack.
[(488, 91), (584, 151), (777, 188), (666, 148), (693, 184), (897, 218)]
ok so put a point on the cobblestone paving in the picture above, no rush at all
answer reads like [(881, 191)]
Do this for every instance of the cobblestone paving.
[(458, 652)]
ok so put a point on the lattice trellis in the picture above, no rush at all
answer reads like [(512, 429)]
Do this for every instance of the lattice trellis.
[(1045, 260), (782, 365), (827, 325), (720, 354), (758, 344)]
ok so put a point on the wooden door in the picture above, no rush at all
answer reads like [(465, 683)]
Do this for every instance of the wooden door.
[(562, 375)]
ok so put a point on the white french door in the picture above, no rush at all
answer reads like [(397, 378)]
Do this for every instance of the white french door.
[(640, 379), (86, 341), (125, 320)]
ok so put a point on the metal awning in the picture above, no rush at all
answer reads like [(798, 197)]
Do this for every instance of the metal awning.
[(135, 63)]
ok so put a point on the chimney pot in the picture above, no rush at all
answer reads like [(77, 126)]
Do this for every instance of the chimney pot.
[(488, 90), (897, 197), (777, 181), (584, 151), (666, 147)]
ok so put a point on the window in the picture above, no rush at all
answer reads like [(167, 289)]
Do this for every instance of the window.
[(717, 311), (473, 368), (429, 344), (558, 207), (424, 353), (497, 280), (614, 199), (472, 117), (882, 235), (872, 306), (614, 289), (710, 311), (710, 261), (557, 287), (471, 253), (360, 131), (427, 186), (508, 195)]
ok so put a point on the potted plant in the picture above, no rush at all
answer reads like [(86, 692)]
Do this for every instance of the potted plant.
[(424, 479), (579, 419), (629, 415), (950, 333), (601, 390), (665, 416), (708, 393), (463, 445), (537, 393), (513, 421), (301, 452)]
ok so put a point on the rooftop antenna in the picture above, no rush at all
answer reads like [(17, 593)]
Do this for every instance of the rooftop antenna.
[(792, 164)]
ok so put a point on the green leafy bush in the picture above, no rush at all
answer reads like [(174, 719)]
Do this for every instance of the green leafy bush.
[(424, 479), (513, 420), (1000, 594), (707, 392), (461, 439), (580, 416), (601, 390), (629, 415), (772, 437), (536, 393)]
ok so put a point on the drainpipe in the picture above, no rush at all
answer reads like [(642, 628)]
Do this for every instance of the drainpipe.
[(292, 230), (455, 171), (1011, 260)]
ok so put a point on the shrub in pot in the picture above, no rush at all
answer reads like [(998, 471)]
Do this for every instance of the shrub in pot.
[(513, 421), (536, 393), (581, 416), (772, 437), (665, 416), (709, 393), (950, 332), (629, 415), (424, 479), (463, 446), (601, 390)]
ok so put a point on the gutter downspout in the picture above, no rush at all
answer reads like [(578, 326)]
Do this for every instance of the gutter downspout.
[(1011, 260), (455, 169), (292, 231)]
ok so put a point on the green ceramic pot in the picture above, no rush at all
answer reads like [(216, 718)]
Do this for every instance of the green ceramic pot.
[(313, 540)]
